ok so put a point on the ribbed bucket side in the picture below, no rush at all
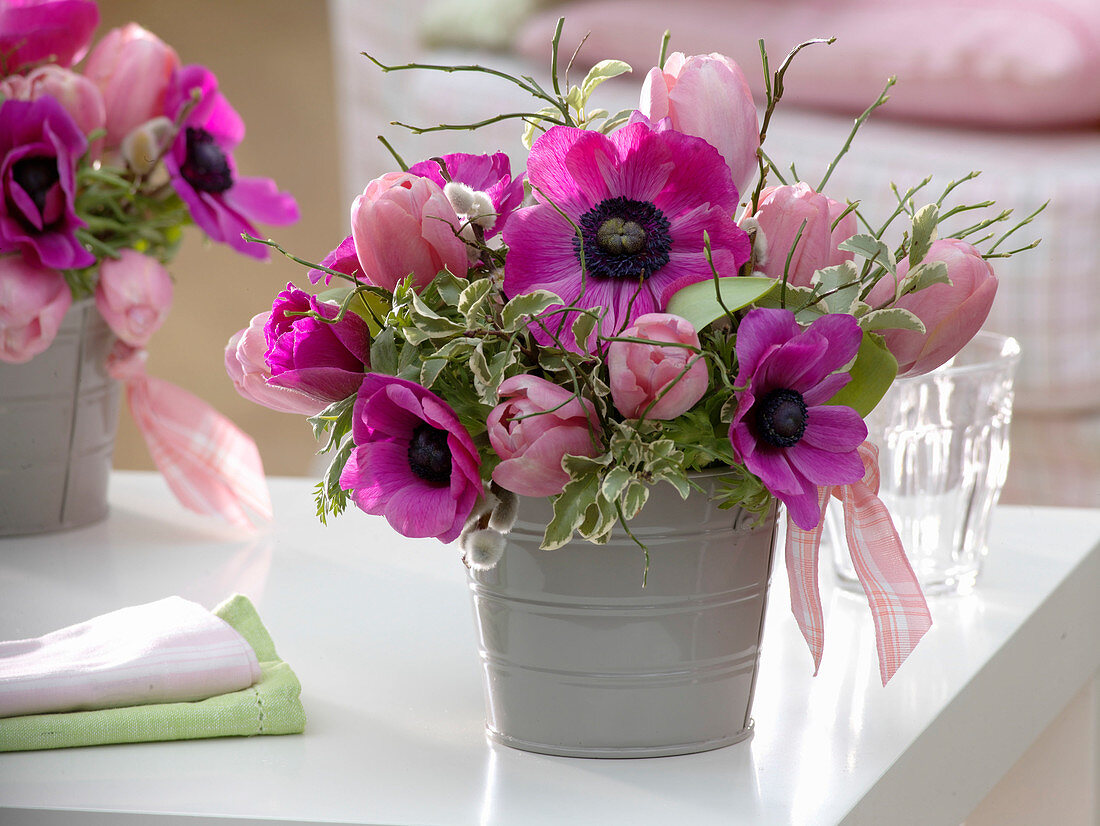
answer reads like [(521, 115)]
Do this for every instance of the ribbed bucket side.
[(58, 417), (580, 659)]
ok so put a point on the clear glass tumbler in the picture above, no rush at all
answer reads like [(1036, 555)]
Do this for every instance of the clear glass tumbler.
[(943, 456)]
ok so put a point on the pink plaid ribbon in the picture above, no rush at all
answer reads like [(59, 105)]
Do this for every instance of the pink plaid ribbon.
[(897, 603), (209, 463)]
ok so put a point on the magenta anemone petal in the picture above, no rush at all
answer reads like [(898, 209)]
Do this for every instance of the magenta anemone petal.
[(204, 173), (642, 200), (413, 462), (342, 259), (780, 430)]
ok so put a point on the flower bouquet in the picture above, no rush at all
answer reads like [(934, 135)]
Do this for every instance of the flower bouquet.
[(102, 167), (493, 355)]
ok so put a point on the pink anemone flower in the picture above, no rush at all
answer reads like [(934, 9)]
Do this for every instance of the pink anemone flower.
[(641, 199), (783, 430), (203, 171), (413, 462)]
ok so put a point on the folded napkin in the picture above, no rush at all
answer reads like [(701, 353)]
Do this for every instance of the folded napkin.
[(166, 651), (271, 705)]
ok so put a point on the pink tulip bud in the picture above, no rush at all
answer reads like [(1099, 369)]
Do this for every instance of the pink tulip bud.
[(952, 313), (403, 224), (33, 301), (246, 366), (781, 213), (77, 95), (536, 425), (671, 378), (707, 96), (133, 295), (132, 68)]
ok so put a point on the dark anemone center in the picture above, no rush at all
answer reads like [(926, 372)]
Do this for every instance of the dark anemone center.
[(37, 176), (429, 456), (205, 167), (623, 238), (781, 417)]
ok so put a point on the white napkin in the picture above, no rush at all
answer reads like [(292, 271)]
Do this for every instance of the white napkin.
[(172, 650)]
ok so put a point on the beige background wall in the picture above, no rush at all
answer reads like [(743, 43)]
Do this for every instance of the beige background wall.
[(274, 65)]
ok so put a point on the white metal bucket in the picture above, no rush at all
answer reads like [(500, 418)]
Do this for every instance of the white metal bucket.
[(58, 417), (579, 659)]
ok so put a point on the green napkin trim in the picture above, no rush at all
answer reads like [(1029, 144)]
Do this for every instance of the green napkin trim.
[(271, 706)]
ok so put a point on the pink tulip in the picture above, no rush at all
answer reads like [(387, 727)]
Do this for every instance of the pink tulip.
[(781, 213), (33, 301), (670, 378), (133, 68), (532, 446), (246, 366), (133, 295), (952, 313), (77, 95), (707, 96), (403, 224)]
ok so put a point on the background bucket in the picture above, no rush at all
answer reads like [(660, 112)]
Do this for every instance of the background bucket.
[(58, 417)]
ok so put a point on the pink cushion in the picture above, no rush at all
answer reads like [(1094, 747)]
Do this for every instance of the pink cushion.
[(976, 62)]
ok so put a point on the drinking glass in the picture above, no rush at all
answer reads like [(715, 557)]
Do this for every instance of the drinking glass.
[(943, 456)]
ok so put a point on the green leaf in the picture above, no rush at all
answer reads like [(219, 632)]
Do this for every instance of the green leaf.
[(434, 363), (330, 497), (449, 287), (383, 353), (528, 304), (838, 286), (891, 318), (408, 361), (698, 303), (923, 233), (678, 481), (532, 131), (634, 498), (797, 298), (741, 489), (604, 70), (570, 508), (335, 420), (616, 120), (577, 466), (871, 248), (479, 365), (599, 519), (872, 374), (583, 327), (474, 299), (430, 323), (925, 274), (616, 479)]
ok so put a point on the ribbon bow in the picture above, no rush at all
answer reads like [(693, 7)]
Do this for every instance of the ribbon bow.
[(897, 603), (209, 463)]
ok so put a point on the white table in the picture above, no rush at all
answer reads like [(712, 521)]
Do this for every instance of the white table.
[(379, 631)]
